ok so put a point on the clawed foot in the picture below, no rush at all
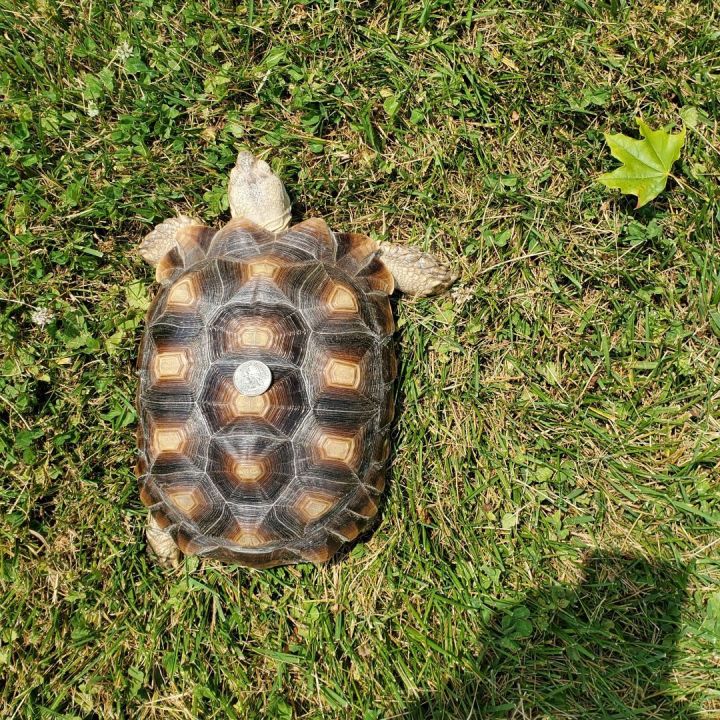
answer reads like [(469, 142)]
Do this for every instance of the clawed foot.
[(161, 546), (158, 242)]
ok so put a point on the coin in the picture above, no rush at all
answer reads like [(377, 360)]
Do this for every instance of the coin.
[(252, 378)]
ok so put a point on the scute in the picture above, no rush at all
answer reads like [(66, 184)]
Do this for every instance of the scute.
[(251, 469), (290, 475), (276, 413), (267, 332)]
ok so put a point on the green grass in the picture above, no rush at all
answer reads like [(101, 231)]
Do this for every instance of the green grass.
[(548, 545)]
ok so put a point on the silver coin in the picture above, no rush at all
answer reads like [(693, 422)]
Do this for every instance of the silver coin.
[(252, 378)]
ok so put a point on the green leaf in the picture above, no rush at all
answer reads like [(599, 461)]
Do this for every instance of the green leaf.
[(690, 116), (136, 295), (715, 322), (391, 105), (646, 163), (134, 65)]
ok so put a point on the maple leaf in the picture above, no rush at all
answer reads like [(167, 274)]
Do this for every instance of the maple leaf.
[(646, 163)]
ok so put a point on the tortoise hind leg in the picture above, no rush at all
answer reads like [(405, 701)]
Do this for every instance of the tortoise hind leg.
[(161, 546)]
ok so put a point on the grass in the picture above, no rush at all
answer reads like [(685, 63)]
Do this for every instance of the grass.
[(548, 546)]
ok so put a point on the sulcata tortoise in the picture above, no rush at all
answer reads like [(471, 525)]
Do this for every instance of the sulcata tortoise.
[(265, 379)]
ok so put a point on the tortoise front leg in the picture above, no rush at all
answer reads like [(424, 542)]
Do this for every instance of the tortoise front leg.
[(160, 544), (174, 245), (160, 241), (416, 272)]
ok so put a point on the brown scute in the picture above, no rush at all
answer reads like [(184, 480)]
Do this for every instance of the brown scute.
[(389, 362), (380, 313), (312, 505), (333, 448), (388, 410), (171, 365), (189, 542), (375, 479), (169, 439), (141, 353), (170, 265), (264, 266), (257, 558), (184, 295), (314, 237), (267, 332), (140, 467), (322, 552), (161, 518), (363, 504), (339, 304), (378, 277), (251, 534), (241, 239), (337, 448), (146, 497), (189, 499), (289, 475), (345, 379), (176, 437), (382, 449), (277, 412), (354, 252), (341, 299), (348, 527), (194, 242), (210, 278), (251, 470), (140, 439), (342, 372)]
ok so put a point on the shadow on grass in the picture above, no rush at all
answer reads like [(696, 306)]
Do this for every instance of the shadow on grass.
[(600, 649)]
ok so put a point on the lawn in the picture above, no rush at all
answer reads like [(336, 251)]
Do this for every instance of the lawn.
[(548, 546)]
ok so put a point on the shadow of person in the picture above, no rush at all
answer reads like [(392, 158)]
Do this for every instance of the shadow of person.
[(600, 649)]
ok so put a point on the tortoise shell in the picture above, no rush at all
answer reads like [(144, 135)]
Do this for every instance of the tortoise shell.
[(291, 474)]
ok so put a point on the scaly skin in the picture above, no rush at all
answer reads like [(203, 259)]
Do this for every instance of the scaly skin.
[(160, 544), (257, 194), (416, 272), (157, 243)]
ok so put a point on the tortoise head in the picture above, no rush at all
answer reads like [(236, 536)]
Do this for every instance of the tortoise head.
[(257, 194)]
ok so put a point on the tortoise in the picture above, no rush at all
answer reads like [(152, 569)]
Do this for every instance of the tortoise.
[(266, 377)]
